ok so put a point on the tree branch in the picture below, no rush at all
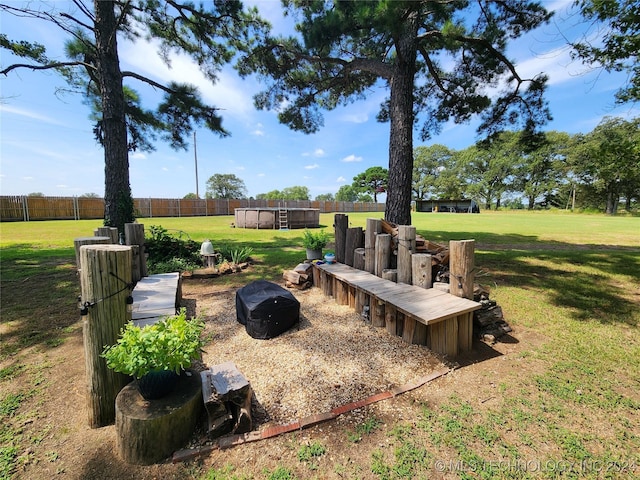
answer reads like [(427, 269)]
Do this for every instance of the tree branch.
[(48, 66)]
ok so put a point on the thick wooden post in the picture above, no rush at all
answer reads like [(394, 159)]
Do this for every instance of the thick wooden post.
[(377, 312), (78, 242), (462, 276), (390, 315), (358, 258), (383, 253), (105, 273), (406, 247), (390, 274), (341, 223), (421, 270), (111, 232), (354, 241), (134, 235), (374, 226), (461, 267)]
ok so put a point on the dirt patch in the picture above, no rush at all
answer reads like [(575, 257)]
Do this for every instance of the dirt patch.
[(333, 358)]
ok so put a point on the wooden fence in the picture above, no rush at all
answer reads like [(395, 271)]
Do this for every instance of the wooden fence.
[(23, 208)]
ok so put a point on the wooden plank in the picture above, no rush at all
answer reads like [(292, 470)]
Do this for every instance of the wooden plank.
[(154, 297)]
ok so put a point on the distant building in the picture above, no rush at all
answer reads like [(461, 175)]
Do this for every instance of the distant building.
[(453, 206)]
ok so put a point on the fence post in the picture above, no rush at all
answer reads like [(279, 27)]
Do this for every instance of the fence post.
[(105, 278)]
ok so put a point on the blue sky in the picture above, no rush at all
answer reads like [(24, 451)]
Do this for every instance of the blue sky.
[(47, 143)]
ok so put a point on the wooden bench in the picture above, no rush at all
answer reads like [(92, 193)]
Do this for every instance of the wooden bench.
[(440, 321), (155, 297)]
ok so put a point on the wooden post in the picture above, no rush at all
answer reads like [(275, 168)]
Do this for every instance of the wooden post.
[(390, 313), (134, 235), (390, 274), (374, 226), (354, 241), (341, 223), (358, 258), (406, 247), (111, 232), (104, 275), (383, 253), (421, 270), (377, 312), (78, 242), (461, 267)]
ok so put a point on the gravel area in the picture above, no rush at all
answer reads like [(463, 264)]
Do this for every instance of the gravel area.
[(333, 358)]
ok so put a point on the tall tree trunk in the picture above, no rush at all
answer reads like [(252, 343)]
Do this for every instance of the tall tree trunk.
[(398, 205), (118, 208), (532, 202), (612, 201)]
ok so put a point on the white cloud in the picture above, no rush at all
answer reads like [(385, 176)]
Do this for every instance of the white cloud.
[(311, 167), (262, 175), (341, 179), (62, 186), (28, 179), (258, 133), (138, 156), (351, 158), (318, 152), (29, 114), (355, 118), (165, 169)]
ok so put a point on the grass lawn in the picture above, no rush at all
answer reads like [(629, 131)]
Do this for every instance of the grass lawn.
[(567, 405)]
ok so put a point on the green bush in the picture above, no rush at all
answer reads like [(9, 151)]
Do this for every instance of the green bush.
[(168, 253), (170, 344)]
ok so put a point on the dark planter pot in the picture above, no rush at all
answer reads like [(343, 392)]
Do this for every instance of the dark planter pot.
[(157, 384), (314, 254)]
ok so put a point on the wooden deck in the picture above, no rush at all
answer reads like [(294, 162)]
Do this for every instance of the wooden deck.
[(439, 320), (154, 297)]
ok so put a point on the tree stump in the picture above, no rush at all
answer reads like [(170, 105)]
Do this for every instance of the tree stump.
[(148, 431)]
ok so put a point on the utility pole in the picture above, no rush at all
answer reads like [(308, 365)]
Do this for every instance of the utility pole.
[(195, 156)]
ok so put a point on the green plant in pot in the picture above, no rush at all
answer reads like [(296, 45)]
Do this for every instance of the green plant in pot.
[(314, 242), (155, 355)]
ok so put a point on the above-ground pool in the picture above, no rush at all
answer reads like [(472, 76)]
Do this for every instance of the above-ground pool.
[(276, 218)]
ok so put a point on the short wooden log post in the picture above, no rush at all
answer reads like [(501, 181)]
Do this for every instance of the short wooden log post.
[(79, 242), (134, 235), (383, 253), (377, 312), (461, 267), (352, 297), (390, 274), (354, 240), (374, 227), (360, 301), (316, 277), (342, 293), (105, 273), (341, 223), (406, 247), (390, 316), (136, 268), (111, 232), (150, 431), (358, 258), (421, 270), (462, 276)]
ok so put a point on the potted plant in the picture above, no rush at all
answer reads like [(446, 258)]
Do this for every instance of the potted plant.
[(156, 354), (314, 242)]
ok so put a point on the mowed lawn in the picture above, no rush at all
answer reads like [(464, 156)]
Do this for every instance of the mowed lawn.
[(569, 281)]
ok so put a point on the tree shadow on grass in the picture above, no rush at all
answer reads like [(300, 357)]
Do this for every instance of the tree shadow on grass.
[(38, 301)]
